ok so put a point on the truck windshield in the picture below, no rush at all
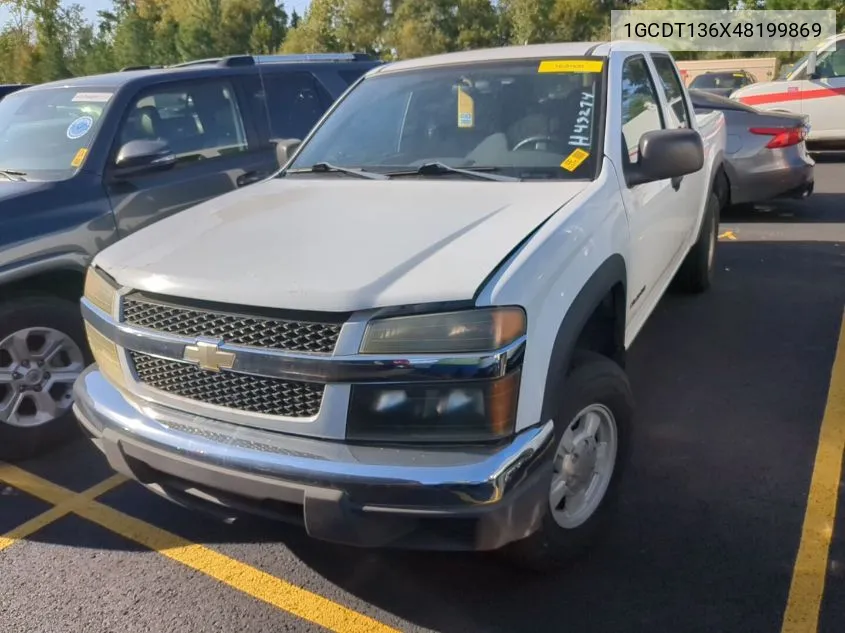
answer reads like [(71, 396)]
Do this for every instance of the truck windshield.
[(524, 119), (45, 133)]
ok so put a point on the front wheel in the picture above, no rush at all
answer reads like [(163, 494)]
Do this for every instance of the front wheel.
[(42, 353), (592, 431)]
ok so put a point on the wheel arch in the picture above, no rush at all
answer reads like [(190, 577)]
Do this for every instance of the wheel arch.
[(595, 318), (60, 276)]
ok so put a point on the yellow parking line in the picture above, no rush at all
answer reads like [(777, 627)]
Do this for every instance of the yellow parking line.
[(258, 584), (70, 504), (808, 576)]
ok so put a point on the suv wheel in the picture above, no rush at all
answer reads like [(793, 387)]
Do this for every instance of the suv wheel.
[(42, 353), (592, 431)]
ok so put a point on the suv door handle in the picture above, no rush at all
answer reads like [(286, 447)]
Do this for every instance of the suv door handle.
[(249, 177)]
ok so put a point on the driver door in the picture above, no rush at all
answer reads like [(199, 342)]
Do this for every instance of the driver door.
[(215, 152)]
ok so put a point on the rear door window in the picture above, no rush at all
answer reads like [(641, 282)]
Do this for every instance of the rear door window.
[(673, 90), (295, 103)]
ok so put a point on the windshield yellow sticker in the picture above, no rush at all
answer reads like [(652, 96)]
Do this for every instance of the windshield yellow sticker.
[(570, 66), (575, 159), (79, 157), (466, 109)]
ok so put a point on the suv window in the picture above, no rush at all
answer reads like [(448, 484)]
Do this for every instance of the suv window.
[(197, 121), (674, 92), (351, 76), (640, 109), (294, 102)]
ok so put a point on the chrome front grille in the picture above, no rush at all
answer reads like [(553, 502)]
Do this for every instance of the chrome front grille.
[(255, 394), (236, 329)]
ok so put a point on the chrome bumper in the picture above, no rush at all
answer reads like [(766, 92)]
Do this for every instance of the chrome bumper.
[(358, 495)]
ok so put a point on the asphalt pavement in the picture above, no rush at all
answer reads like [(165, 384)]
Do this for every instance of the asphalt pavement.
[(731, 390)]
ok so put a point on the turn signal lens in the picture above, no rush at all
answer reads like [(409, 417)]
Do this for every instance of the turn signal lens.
[(480, 330), (99, 291), (105, 355)]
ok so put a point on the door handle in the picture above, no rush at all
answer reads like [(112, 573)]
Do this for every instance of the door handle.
[(249, 177)]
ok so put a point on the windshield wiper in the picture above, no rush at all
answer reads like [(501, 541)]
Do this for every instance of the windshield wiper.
[(438, 169), (13, 174), (317, 168)]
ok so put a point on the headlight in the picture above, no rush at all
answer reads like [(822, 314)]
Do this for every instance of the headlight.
[(455, 412), (100, 291), (478, 330)]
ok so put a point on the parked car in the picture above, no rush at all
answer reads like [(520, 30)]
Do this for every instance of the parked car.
[(415, 334), (7, 89), (766, 155), (722, 82), (90, 160), (815, 86)]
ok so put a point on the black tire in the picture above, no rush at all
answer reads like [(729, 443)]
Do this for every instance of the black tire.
[(18, 442), (593, 379), (696, 272)]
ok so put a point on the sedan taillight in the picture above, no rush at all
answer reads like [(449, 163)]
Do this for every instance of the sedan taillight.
[(781, 136)]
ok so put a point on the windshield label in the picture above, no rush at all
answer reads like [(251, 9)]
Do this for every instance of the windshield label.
[(92, 97), (466, 109), (570, 66), (80, 127), (574, 160), (79, 157), (581, 132)]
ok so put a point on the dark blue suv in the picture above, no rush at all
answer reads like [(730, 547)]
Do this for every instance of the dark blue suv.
[(86, 161)]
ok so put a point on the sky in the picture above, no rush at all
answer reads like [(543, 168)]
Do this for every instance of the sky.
[(92, 6)]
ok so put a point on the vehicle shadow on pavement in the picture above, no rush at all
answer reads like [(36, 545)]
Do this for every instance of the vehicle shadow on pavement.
[(820, 208), (730, 390)]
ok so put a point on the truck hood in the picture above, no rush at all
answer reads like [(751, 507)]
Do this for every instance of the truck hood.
[(337, 244)]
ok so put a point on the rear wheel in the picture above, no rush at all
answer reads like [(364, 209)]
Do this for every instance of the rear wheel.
[(42, 353), (696, 273), (592, 431)]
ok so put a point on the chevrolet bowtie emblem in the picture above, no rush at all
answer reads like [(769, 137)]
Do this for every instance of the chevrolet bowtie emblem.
[(209, 356)]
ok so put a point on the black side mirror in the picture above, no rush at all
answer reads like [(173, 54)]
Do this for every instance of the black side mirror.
[(666, 154), (136, 157), (285, 149)]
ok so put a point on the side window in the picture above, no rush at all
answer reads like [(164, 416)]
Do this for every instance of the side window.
[(198, 121), (351, 76), (640, 106), (674, 92), (832, 65), (294, 102)]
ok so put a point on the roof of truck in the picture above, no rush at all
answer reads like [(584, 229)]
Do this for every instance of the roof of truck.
[(528, 51)]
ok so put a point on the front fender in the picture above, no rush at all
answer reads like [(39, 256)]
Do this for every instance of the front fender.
[(551, 271)]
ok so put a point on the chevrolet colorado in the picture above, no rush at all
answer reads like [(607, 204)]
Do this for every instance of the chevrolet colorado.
[(414, 335)]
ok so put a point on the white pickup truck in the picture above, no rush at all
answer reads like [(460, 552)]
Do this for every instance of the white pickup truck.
[(414, 334)]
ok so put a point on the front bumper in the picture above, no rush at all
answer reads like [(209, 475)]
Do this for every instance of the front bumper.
[(468, 498)]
